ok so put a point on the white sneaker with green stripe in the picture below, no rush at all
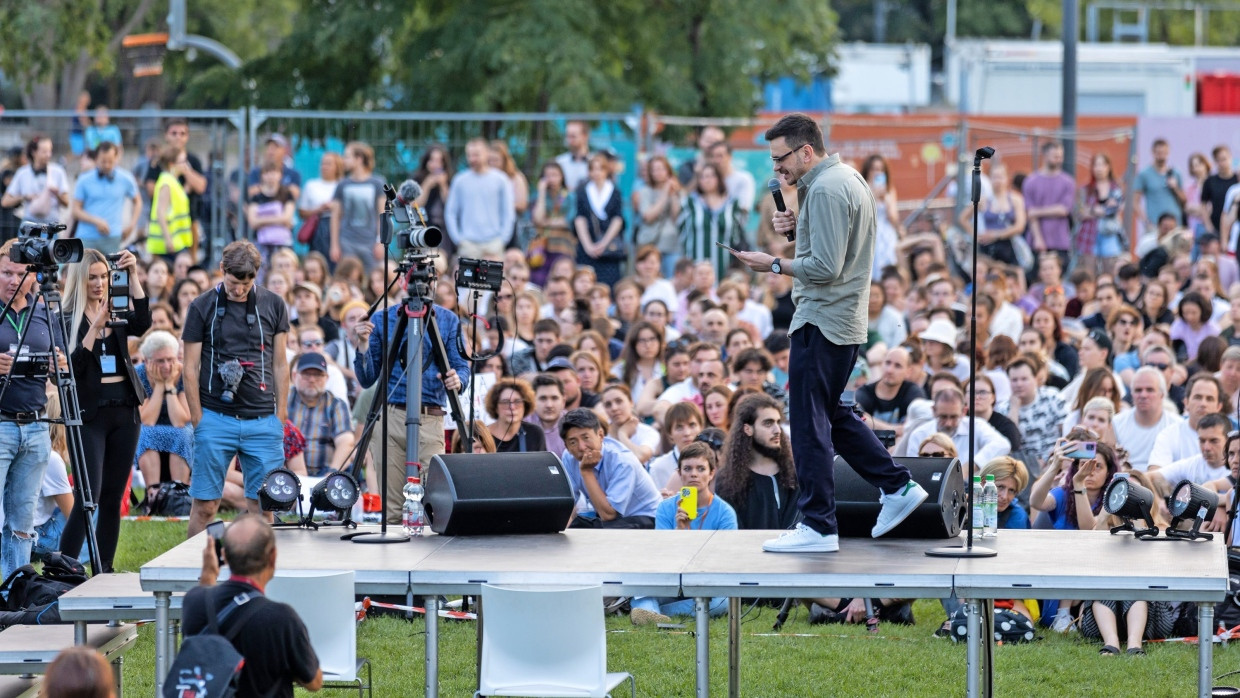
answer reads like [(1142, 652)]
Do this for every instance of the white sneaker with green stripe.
[(897, 507)]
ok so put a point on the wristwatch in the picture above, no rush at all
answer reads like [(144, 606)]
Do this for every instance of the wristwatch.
[(775, 266)]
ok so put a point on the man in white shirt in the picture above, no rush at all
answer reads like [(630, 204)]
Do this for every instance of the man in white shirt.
[(1136, 429), (1180, 441), (948, 419), (740, 184), (1203, 467), (576, 162), (40, 186)]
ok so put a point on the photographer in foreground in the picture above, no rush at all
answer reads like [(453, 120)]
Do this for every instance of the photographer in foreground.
[(108, 390), (25, 444), (236, 382)]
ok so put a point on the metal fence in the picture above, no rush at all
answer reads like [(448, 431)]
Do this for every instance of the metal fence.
[(218, 138)]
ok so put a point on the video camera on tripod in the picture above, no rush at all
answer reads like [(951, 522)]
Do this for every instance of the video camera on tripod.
[(413, 232), (38, 246)]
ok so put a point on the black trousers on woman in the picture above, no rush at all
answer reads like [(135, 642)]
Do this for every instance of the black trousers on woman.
[(109, 441)]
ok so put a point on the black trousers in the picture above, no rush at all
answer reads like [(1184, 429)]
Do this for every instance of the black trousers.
[(821, 427), (109, 441), (618, 522)]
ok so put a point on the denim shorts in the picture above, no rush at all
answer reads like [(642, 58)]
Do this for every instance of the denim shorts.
[(259, 443)]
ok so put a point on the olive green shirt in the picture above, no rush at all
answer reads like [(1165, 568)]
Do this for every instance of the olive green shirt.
[(834, 252)]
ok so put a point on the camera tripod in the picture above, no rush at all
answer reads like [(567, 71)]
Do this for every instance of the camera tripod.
[(66, 388), (415, 322)]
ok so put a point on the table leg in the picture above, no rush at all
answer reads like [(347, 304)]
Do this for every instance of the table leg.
[(163, 603), (478, 629), (974, 651), (734, 647), (1205, 649), (79, 632), (432, 646), (701, 607)]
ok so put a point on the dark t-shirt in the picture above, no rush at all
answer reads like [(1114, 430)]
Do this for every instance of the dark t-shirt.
[(535, 440), (275, 643), (891, 411), (235, 338), (1214, 190), (765, 505), (1007, 427), (26, 394)]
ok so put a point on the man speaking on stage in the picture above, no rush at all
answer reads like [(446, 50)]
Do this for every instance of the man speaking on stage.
[(834, 235)]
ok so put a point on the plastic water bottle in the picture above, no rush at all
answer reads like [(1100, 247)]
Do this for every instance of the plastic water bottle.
[(990, 507), (978, 519), (412, 514)]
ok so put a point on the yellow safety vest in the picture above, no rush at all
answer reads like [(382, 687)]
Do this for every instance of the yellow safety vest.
[(178, 218)]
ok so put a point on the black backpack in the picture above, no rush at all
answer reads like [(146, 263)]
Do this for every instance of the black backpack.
[(169, 499), (30, 598), (208, 664)]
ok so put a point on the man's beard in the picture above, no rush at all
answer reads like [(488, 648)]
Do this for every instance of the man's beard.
[(311, 393), (767, 451)]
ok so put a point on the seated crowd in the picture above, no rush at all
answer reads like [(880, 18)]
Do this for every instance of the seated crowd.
[(676, 376)]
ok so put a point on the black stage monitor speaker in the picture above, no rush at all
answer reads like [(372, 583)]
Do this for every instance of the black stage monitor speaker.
[(471, 494), (940, 516)]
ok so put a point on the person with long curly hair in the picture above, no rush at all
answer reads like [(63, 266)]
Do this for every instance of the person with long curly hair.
[(757, 476)]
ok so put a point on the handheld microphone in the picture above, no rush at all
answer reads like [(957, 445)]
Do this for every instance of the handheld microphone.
[(409, 192), (777, 193)]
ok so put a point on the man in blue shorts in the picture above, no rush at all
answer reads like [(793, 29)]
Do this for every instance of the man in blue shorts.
[(236, 382)]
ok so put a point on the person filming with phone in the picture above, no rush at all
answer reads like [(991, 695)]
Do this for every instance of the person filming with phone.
[(1070, 487), (693, 508), (105, 305)]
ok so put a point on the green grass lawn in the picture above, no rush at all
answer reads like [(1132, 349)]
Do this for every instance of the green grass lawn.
[(803, 660)]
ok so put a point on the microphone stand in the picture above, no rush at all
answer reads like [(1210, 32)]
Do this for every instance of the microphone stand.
[(980, 612)]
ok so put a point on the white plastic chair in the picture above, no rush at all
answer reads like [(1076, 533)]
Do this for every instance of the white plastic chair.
[(512, 665), (324, 600)]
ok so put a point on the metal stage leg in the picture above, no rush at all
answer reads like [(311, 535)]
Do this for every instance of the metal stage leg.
[(701, 608), (973, 610), (79, 632), (478, 630), (1205, 649), (163, 642), (432, 646), (734, 647)]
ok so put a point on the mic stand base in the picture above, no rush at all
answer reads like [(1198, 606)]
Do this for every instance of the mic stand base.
[(961, 551), (377, 537)]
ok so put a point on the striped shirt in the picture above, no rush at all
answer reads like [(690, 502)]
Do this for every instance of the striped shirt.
[(320, 424)]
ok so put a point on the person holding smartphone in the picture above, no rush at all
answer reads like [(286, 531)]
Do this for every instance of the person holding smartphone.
[(1070, 487), (697, 509), (109, 390)]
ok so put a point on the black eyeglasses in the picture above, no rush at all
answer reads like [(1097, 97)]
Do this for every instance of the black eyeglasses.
[(712, 440), (934, 454), (781, 158)]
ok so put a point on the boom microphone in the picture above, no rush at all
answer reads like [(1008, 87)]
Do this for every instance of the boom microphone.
[(409, 192), (777, 193)]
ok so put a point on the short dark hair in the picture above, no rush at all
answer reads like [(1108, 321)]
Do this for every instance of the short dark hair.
[(1047, 146), (699, 449), (522, 389), (547, 324), (1157, 142), (241, 260), (105, 147), (579, 418), (547, 380), (777, 341), (798, 129), (248, 555), (748, 356), (175, 121), (1128, 271), (1214, 420)]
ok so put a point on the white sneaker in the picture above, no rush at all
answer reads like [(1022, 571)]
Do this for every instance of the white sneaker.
[(897, 507), (1063, 621), (803, 539)]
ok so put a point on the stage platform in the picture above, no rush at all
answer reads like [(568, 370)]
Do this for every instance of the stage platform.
[(704, 564)]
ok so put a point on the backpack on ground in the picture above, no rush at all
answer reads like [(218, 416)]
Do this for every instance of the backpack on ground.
[(30, 598), (208, 664), (168, 499)]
